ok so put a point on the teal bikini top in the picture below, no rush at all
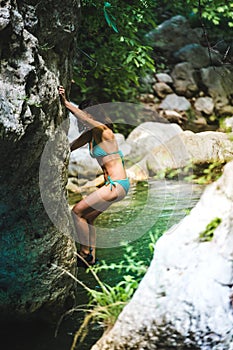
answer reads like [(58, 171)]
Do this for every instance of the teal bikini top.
[(98, 152)]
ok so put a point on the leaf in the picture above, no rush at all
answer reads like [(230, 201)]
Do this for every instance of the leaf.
[(107, 4), (107, 17), (110, 19), (136, 63)]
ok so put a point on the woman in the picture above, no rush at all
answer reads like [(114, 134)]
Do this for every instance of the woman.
[(102, 146)]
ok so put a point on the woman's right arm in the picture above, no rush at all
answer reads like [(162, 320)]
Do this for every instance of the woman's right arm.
[(80, 141)]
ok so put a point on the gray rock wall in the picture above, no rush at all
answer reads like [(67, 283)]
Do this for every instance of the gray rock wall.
[(36, 49)]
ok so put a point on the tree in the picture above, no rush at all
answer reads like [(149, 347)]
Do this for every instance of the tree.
[(111, 50)]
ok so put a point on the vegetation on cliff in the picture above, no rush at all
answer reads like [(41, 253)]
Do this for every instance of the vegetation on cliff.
[(111, 44)]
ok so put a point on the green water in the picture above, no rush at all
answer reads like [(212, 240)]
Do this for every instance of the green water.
[(149, 207)]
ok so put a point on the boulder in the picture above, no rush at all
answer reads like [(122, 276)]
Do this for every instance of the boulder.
[(204, 104), (147, 98), (162, 38), (30, 115), (183, 75), (200, 122), (147, 136), (190, 148), (164, 78), (162, 89), (173, 101), (198, 56), (218, 84), (174, 117), (184, 149), (184, 300)]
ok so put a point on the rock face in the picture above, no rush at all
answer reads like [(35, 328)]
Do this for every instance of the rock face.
[(36, 39), (183, 302)]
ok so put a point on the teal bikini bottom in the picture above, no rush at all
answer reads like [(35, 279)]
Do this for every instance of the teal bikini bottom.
[(124, 183)]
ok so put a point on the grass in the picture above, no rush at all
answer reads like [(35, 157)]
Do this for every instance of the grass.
[(106, 304), (208, 234)]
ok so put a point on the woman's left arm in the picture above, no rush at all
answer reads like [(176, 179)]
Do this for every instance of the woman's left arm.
[(83, 116)]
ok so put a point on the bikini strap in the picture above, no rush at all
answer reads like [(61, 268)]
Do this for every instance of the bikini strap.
[(111, 182)]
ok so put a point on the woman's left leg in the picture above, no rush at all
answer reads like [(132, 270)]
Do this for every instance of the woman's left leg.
[(88, 209)]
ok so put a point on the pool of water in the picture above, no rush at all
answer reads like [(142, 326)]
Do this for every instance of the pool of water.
[(150, 207)]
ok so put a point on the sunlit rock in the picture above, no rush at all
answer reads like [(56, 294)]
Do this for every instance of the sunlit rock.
[(173, 101)]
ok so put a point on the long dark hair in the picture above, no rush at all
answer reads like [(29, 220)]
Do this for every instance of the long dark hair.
[(96, 111)]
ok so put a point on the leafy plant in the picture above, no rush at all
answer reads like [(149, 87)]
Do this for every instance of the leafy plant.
[(209, 174), (128, 264), (208, 234), (214, 11), (185, 172), (110, 64), (154, 234), (106, 303)]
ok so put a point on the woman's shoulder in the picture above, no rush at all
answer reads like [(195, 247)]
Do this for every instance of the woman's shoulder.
[(107, 134)]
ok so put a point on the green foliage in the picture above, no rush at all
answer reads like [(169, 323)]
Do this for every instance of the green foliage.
[(208, 174), (215, 11), (201, 174), (208, 234), (112, 56), (106, 302), (154, 234), (185, 173), (111, 52), (130, 263)]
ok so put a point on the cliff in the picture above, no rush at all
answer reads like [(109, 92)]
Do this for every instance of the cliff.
[(36, 48)]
